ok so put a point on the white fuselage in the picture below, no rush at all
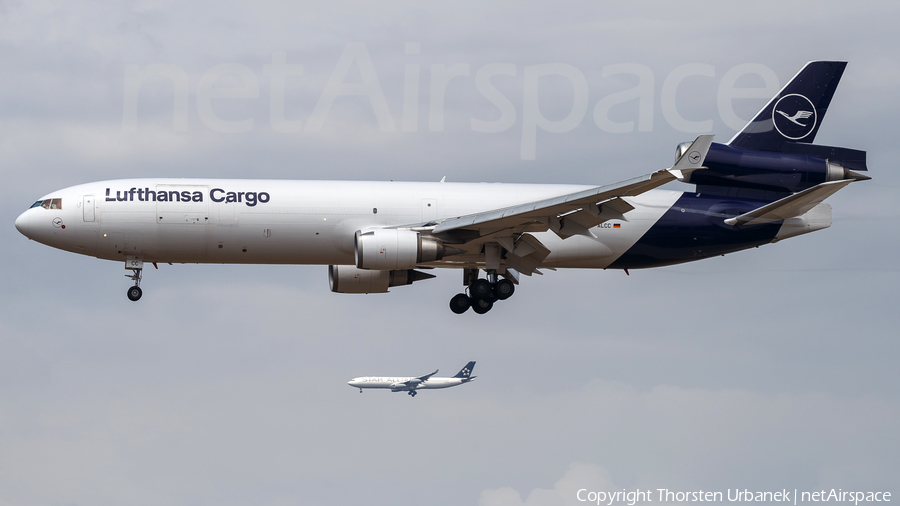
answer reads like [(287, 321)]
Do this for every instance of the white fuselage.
[(393, 382), (296, 222)]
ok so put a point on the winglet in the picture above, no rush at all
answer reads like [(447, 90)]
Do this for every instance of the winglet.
[(693, 157)]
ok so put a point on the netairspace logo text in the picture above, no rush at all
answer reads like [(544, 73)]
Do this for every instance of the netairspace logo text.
[(632, 497), (231, 83)]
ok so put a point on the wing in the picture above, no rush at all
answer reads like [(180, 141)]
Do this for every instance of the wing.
[(575, 213), (411, 383), (425, 378)]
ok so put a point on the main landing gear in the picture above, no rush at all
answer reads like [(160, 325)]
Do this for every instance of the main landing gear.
[(412, 393), (482, 293), (137, 266)]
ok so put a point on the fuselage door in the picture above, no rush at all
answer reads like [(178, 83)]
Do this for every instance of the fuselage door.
[(88, 207)]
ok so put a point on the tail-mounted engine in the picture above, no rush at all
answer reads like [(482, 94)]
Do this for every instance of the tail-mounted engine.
[(795, 168)]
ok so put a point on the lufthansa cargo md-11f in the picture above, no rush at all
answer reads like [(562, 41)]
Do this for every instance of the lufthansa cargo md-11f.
[(766, 184), (411, 384)]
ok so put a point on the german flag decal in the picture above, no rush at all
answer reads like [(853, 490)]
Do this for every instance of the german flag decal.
[(617, 225)]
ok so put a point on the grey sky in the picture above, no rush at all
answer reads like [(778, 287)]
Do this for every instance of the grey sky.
[(766, 369)]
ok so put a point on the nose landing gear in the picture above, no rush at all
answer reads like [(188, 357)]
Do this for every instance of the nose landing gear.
[(137, 266), (134, 293)]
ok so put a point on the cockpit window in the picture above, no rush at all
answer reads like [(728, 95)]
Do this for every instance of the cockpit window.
[(48, 204)]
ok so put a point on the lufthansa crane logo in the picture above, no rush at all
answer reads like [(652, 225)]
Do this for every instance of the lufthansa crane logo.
[(794, 116)]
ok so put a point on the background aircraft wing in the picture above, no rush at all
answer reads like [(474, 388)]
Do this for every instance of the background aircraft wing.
[(424, 378), (576, 213)]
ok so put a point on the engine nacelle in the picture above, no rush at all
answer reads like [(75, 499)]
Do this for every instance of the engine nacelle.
[(405, 385), (681, 149), (385, 249), (795, 168), (349, 279)]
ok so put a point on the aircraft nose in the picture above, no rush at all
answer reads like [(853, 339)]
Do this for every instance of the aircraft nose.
[(22, 224)]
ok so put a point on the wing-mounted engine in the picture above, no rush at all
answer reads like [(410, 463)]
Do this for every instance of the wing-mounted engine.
[(406, 385), (388, 248), (349, 279)]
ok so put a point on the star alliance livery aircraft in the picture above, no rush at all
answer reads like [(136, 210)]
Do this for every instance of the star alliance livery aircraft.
[(411, 384), (766, 184)]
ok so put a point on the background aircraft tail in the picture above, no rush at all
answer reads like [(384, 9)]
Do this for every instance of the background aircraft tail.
[(796, 112), (466, 371)]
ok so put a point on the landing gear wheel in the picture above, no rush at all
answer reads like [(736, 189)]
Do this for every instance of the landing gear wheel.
[(504, 289), (459, 304), (412, 393), (481, 306), (134, 293), (481, 289), (136, 265)]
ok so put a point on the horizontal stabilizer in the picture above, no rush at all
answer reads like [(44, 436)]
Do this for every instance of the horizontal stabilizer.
[(790, 207)]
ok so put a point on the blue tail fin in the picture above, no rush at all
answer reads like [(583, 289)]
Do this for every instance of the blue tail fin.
[(796, 112), (466, 371)]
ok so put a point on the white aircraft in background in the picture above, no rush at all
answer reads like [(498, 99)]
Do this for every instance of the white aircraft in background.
[(768, 183), (411, 384)]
